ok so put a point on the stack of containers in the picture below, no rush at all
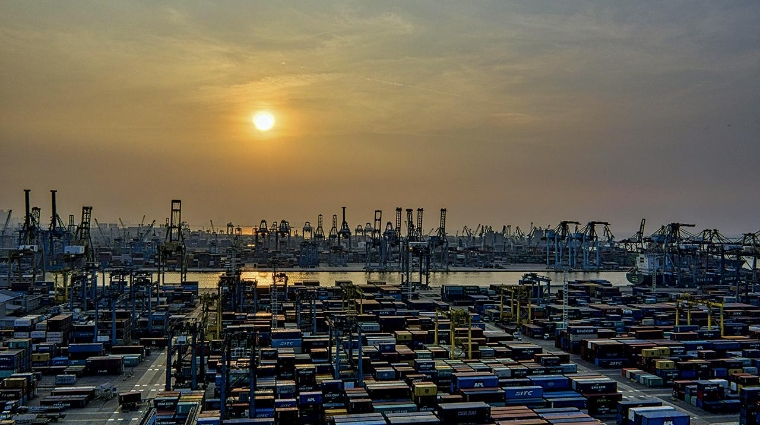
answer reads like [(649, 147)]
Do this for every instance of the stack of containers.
[(364, 419), (287, 338), (600, 392), (23, 327), (79, 353), (15, 389), (11, 361), (165, 404), (516, 414), (133, 355), (529, 396), (41, 360), (750, 402), (76, 397), (563, 416), (332, 394), (570, 339), (286, 411), (310, 407), (625, 406), (739, 381), (557, 392), (423, 418), (104, 365), (604, 353), (187, 403), (83, 332), (711, 396), (306, 377), (464, 413), (477, 386), (39, 333), (424, 394), (209, 418), (658, 416)]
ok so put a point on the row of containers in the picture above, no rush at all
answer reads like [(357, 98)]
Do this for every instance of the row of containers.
[(396, 375), (593, 394), (640, 412), (708, 374), (23, 358), (17, 390)]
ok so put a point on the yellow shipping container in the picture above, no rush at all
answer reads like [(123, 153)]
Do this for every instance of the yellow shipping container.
[(422, 389), (335, 412), (14, 383), (735, 371), (403, 336), (664, 351), (650, 352), (41, 357), (665, 364)]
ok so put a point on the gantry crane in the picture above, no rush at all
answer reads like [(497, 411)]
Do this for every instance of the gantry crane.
[(351, 295), (687, 301), (519, 299), (345, 326), (457, 318)]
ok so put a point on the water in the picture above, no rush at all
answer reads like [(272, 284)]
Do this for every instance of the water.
[(480, 278)]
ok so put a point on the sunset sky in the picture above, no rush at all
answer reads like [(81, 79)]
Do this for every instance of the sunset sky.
[(501, 112)]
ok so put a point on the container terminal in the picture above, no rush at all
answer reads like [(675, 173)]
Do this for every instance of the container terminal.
[(125, 345)]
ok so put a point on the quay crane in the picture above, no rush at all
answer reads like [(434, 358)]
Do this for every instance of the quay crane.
[(5, 229), (26, 255), (590, 248), (173, 248)]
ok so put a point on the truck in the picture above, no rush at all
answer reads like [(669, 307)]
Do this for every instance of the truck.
[(130, 399)]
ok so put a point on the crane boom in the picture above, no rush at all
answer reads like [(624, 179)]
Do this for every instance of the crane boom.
[(5, 227)]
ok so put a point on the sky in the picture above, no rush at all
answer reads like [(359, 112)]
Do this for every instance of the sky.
[(504, 113)]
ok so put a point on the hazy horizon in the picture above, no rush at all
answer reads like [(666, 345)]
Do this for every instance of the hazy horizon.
[(505, 113)]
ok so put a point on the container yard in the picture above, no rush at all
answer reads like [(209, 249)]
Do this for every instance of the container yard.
[(101, 344), (365, 353)]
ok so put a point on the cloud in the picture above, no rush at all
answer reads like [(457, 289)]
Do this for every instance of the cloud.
[(583, 104)]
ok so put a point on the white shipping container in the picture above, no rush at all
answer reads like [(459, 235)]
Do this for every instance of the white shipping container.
[(38, 334), (73, 250), (42, 326), (21, 334), (35, 318), (65, 380), (54, 340), (22, 323), (55, 334)]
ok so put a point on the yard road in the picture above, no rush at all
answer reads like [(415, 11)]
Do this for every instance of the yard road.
[(148, 378)]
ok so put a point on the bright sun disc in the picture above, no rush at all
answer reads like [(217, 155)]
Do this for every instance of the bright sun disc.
[(263, 121)]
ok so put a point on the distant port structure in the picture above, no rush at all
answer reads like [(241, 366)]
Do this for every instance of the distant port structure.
[(672, 255)]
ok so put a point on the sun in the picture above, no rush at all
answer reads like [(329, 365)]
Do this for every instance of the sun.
[(264, 121)]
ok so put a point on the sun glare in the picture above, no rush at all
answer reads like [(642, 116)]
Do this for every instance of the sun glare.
[(263, 121)]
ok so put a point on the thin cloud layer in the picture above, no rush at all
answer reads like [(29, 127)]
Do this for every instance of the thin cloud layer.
[(505, 113)]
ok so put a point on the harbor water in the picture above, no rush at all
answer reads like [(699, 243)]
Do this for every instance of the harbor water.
[(437, 279)]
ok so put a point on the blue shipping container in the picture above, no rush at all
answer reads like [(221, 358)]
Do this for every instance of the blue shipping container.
[(523, 392), (670, 417)]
